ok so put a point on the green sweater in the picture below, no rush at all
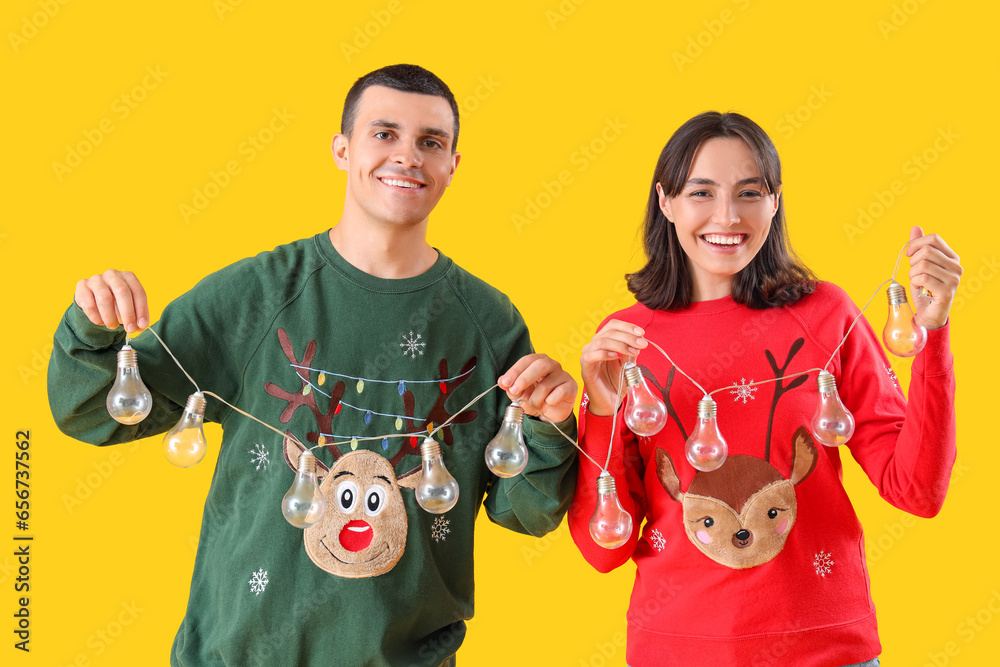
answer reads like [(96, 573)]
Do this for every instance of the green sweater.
[(306, 342)]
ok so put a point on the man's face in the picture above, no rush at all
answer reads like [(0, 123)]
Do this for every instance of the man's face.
[(398, 159)]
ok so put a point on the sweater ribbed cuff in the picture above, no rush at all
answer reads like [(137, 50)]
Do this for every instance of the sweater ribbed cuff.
[(544, 434), (93, 336), (936, 357), (599, 433)]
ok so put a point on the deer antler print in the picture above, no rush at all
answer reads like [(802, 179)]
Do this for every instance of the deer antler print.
[(296, 399), (665, 393), (780, 389), (437, 414)]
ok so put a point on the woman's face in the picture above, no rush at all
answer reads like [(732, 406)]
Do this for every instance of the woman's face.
[(722, 215)]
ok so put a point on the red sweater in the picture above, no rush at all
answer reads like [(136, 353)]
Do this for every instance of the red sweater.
[(796, 589)]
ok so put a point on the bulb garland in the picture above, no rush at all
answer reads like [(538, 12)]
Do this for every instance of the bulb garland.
[(129, 402)]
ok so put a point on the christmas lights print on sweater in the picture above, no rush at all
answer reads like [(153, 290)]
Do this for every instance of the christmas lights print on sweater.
[(740, 515), (363, 532)]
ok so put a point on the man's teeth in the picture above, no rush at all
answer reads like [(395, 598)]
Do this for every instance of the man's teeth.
[(401, 184), (723, 239)]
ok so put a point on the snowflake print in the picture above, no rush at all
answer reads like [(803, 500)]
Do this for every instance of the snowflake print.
[(439, 530), (584, 402), (743, 391), (892, 375), (412, 346), (258, 581), (259, 457), (657, 540), (823, 563)]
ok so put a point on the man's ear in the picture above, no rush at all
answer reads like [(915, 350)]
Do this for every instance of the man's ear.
[(339, 150), (455, 158), (664, 203)]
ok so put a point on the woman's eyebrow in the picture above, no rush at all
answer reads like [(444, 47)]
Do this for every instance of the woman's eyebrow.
[(753, 180)]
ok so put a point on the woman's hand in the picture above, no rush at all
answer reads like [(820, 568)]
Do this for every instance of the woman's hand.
[(935, 267), (601, 363)]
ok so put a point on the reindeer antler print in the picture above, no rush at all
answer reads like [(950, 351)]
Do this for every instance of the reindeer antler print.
[(665, 393), (780, 389), (296, 399), (437, 414)]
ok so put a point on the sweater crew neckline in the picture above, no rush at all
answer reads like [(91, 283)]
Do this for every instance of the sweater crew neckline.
[(710, 307), (373, 283)]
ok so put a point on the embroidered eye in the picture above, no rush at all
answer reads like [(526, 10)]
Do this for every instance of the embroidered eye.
[(347, 496), (374, 500), (772, 513), (709, 522)]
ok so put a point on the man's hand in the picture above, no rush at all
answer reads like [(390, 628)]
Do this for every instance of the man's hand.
[(114, 298), (541, 386)]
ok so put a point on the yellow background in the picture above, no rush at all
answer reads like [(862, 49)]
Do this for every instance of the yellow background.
[(851, 92)]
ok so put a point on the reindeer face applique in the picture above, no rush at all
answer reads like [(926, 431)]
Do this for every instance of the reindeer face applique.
[(740, 514), (363, 532)]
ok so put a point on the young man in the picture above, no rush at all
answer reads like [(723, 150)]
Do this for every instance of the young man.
[(361, 331)]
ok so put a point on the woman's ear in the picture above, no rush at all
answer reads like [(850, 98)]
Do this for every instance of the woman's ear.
[(664, 203), (777, 200)]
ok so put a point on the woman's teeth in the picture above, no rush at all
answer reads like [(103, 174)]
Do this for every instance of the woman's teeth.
[(723, 239)]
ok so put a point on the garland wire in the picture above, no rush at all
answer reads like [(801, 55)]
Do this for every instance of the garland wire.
[(618, 396)]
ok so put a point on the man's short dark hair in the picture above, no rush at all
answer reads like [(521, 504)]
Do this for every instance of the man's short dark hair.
[(404, 78)]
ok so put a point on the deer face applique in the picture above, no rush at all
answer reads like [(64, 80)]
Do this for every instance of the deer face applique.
[(363, 532), (740, 514)]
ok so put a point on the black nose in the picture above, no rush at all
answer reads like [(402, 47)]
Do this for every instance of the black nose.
[(743, 535)]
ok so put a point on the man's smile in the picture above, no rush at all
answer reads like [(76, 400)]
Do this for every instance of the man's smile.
[(402, 183)]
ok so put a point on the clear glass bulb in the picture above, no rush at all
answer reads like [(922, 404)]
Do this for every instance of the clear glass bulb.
[(437, 490), (129, 402), (506, 454), (832, 424), (706, 449), (184, 444), (611, 525), (304, 504), (645, 414), (902, 335)]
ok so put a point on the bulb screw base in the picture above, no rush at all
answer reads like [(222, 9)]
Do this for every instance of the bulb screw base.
[(307, 462), (127, 357), (707, 408), (430, 449), (826, 382), (633, 376), (605, 483), (514, 414), (196, 404), (896, 293)]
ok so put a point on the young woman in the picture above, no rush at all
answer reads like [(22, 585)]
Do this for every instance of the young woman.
[(760, 561)]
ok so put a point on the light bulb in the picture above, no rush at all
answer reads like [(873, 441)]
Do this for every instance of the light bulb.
[(645, 414), (304, 504), (437, 490), (832, 424), (506, 454), (129, 402), (706, 449), (902, 335), (184, 444), (611, 525)]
